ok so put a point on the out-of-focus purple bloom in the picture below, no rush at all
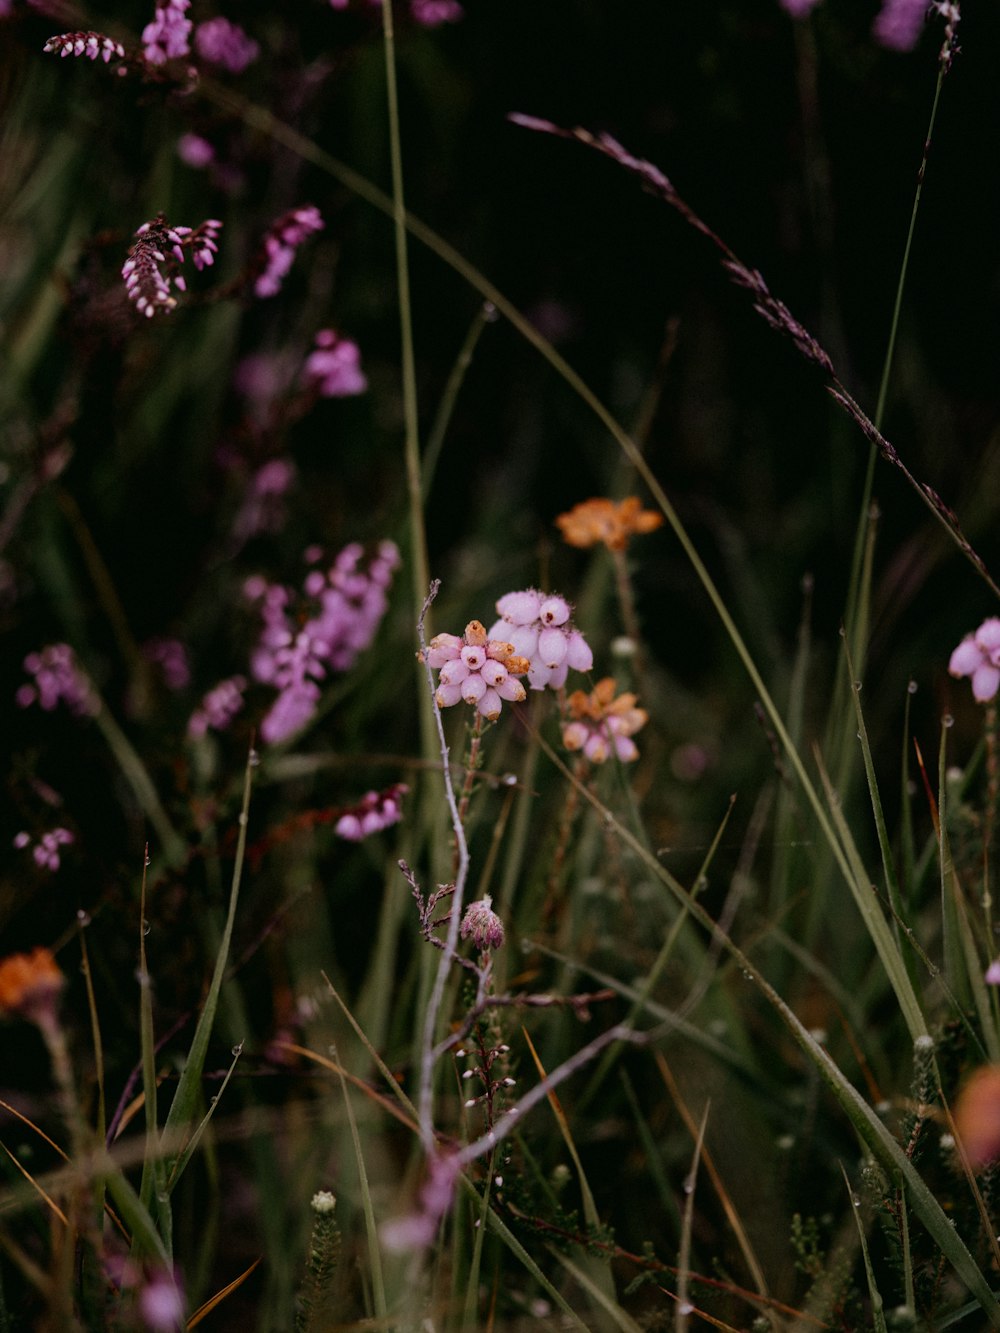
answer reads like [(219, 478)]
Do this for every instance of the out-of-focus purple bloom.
[(261, 376), (334, 368), (152, 269), (171, 657), (225, 44), (46, 850), (483, 925), (292, 654), (538, 625), (978, 656), (419, 1230), (280, 244), (432, 13), (375, 811), (899, 23), (93, 45), (57, 679), (167, 37), (992, 974), (797, 8), (195, 152), (263, 509), (218, 707)]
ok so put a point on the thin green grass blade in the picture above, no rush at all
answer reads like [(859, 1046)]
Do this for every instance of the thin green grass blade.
[(500, 1229), (878, 928), (951, 946), (153, 1181), (862, 1117), (878, 1312), (682, 1309), (380, 1304), (188, 1094), (476, 1258), (619, 1317), (192, 1144)]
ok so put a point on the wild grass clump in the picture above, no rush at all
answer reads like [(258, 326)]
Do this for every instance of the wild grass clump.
[(503, 770)]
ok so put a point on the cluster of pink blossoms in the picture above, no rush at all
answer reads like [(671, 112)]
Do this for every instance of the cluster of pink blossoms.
[(92, 45), (58, 678), (532, 638), (46, 850), (978, 656), (167, 37), (293, 654), (375, 811), (280, 244), (428, 13), (218, 707), (153, 265), (225, 44), (334, 367)]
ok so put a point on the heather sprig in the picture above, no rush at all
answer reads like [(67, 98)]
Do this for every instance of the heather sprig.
[(91, 45), (152, 271), (278, 248)]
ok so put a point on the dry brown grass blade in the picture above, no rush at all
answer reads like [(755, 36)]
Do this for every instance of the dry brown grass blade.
[(220, 1296), (379, 1098), (47, 1198)]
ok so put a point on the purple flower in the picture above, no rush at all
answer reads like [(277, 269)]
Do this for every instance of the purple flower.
[(282, 240), (294, 652), (195, 152), (899, 23), (171, 657), (375, 811), (166, 38), (483, 925), (334, 368), (477, 668), (225, 44), (89, 44), (798, 8), (978, 656), (538, 625), (57, 679), (46, 850), (263, 509), (152, 269), (218, 707), (992, 974), (432, 13)]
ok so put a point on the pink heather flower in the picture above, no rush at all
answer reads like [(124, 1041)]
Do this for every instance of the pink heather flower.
[(195, 152), (538, 625), (978, 656), (218, 707), (899, 24), (601, 725), (57, 679), (334, 368), (152, 270), (478, 668), (375, 811), (171, 657), (992, 976), (166, 38), (46, 850), (294, 653), (260, 376), (225, 44), (432, 13), (797, 8), (282, 240), (483, 925), (93, 45)]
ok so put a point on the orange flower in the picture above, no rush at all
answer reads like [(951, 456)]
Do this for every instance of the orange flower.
[(608, 521), (29, 984)]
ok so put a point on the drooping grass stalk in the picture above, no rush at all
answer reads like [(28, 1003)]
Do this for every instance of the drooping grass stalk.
[(874, 1295)]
